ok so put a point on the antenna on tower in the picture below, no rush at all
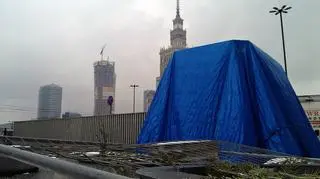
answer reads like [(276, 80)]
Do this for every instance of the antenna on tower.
[(102, 51)]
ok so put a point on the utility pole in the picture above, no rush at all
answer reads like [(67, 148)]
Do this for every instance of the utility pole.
[(276, 11), (134, 86)]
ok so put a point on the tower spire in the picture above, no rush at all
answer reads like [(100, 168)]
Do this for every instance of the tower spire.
[(178, 9)]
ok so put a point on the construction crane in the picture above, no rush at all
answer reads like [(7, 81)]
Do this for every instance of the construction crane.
[(102, 51)]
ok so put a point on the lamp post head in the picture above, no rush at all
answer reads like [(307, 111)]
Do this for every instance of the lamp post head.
[(134, 86), (276, 11), (284, 6), (287, 8)]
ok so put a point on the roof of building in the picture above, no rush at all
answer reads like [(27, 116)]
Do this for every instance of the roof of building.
[(309, 98), (52, 85)]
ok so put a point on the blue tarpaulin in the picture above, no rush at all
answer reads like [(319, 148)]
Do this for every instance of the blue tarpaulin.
[(230, 91)]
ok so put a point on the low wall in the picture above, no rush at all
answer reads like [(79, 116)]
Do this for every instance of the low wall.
[(117, 128)]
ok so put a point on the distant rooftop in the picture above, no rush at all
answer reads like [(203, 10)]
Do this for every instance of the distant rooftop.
[(52, 85), (104, 62), (309, 98)]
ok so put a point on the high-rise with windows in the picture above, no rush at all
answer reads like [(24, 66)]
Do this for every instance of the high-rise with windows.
[(104, 86), (49, 101)]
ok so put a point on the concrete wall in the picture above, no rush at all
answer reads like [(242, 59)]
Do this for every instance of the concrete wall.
[(119, 128)]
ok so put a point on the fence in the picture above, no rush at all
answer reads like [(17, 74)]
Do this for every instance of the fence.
[(117, 128)]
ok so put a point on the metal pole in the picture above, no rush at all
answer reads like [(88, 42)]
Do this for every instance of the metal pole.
[(283, 46), (61, 166), (134, 99), (134, 86), (276, 11)]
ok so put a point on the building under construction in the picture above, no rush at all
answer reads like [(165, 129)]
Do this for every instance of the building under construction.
[(104, 86)]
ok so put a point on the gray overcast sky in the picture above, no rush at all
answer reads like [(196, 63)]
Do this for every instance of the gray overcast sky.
[(57, 41)]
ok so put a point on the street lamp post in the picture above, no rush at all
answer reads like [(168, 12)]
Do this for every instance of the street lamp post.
[(276, 11), (134, 86)]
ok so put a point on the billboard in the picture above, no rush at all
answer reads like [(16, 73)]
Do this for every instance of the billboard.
[(314, 117), (107, 91)]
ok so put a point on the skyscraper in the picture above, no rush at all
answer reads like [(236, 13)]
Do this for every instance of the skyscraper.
[(178, 40), (49, 101), (147, 99), (104, 86)]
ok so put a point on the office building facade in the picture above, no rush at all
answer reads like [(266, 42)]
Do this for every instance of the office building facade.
[(49, 101)]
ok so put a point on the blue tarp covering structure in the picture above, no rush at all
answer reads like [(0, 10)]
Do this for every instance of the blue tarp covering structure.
[(230, 91)]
